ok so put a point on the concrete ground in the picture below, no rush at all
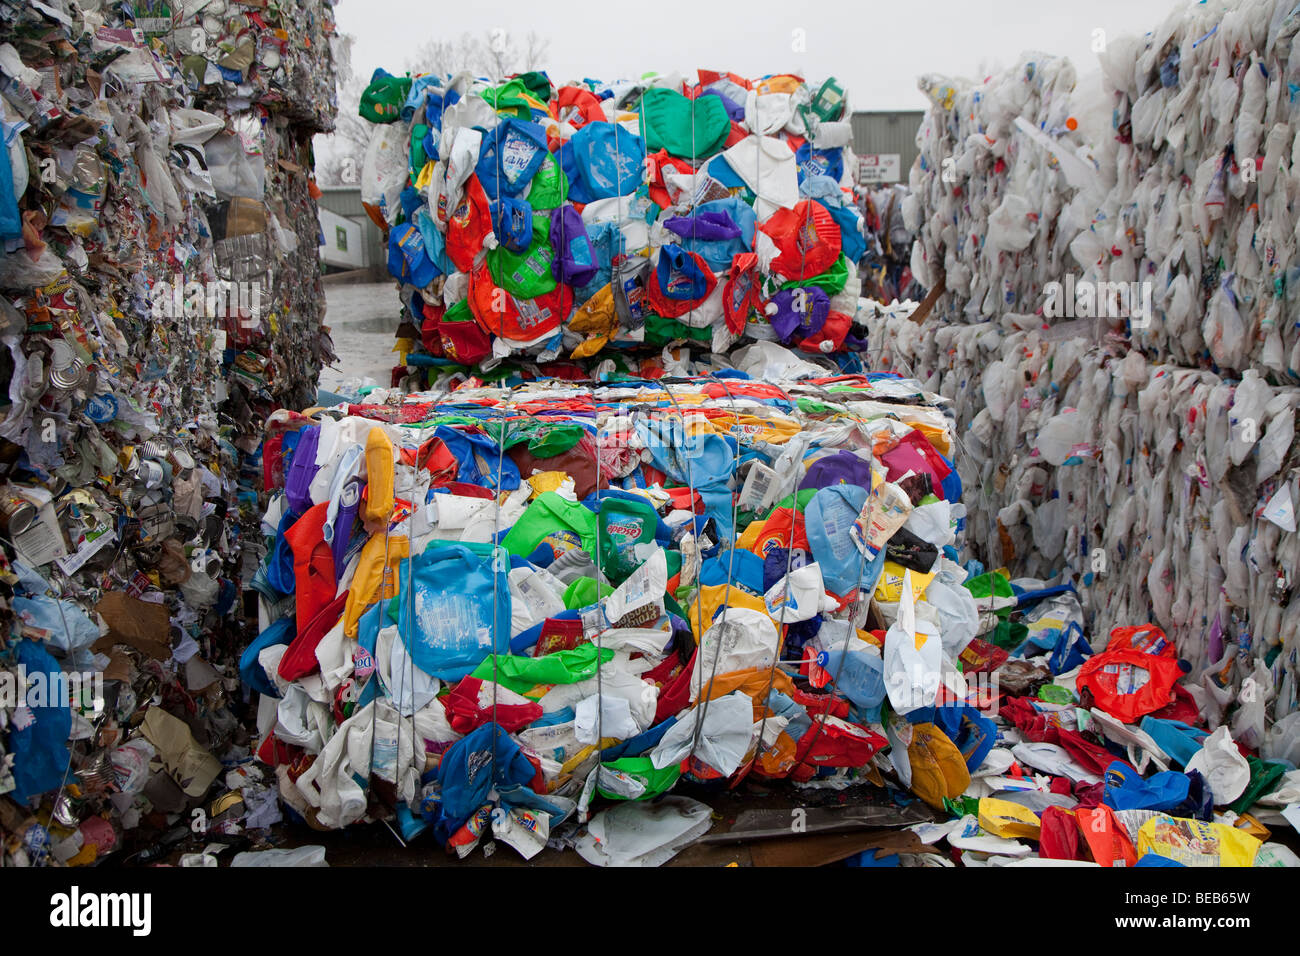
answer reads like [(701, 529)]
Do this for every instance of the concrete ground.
[(375, 845), (362, 318)]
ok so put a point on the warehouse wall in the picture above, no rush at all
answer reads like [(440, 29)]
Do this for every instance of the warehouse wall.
[(345, 201), (888, 132)]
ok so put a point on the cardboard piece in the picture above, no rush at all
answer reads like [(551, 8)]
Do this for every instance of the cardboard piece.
[(192, 767), (139, 624)]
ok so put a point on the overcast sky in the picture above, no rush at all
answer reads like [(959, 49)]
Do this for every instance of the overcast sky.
[(876, 48)]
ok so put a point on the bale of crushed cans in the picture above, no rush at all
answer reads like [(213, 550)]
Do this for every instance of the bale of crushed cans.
[(160, 300)]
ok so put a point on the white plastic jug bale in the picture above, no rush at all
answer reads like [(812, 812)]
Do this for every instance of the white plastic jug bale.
[(1009, 225), (1060, 434)]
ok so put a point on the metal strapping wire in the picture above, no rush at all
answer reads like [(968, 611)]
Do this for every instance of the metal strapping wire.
[(600, 606), (410, 657), (497, 553), (501, 454), (855, 615), (703, 705), (726, 598), (690, 483), (600, 574), (784, 628), (410, 660), (376, 676)]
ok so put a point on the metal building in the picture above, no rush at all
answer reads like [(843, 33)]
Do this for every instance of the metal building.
[(885, 143), (352, 240)]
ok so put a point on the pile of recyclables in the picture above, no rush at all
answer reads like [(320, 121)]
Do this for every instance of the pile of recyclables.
[(161, 299), (566, 226), (525, 614), (1118, 333), (597, 591), (616, 540)]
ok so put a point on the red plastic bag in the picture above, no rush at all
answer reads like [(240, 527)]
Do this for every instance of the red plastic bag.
[(465, 712), (1128, 684), (807, 237), (1147, 638), (1105, 836), (1059, 837)]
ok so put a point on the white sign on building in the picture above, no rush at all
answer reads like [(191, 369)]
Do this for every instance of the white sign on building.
[(342, 241), (880, 168)]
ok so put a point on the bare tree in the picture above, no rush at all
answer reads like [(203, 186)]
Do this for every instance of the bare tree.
[(448, 56), (494, 54), (346, 146)]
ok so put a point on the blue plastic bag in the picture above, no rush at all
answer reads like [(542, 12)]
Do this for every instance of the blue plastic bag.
[(40, 749), (1126, 790), (454, 608)]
